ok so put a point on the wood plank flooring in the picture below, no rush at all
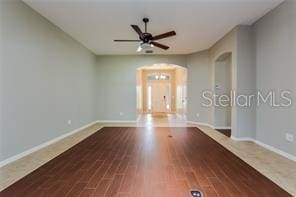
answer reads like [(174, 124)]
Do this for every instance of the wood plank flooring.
[(146, 161)]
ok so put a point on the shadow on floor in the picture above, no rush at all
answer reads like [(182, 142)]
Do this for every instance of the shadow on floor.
[(226, 132)]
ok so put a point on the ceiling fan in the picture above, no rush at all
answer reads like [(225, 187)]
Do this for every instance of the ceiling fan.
[(147, 40)]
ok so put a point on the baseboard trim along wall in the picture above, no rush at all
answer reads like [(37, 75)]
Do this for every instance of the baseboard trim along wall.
[(38, 147), (43, 145), (242, 139), (200, 123), (222, 128), (207, 124), (116, 121), (271, 148)]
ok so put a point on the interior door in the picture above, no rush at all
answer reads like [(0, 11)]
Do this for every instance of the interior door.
[(158, 97)]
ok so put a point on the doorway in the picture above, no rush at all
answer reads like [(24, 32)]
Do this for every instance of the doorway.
[(161, 91), (158, 97), (223, 87)]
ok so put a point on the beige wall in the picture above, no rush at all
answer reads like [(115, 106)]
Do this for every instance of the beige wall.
[(181, 84), (139, 91)]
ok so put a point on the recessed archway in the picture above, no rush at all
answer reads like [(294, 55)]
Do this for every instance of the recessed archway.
[(222, 112), (162, 91)]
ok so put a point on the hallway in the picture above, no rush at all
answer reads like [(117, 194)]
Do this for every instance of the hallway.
[(162, 120)]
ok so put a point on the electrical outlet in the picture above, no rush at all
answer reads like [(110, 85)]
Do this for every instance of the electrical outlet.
[(69, 122), (121, 113), (197, 115), (289, 137)]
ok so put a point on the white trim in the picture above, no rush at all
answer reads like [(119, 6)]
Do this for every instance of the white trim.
[(278, 151), (43, 145), (222, 127), (271, 148), (242, 139), (200, 123), (116, 121)]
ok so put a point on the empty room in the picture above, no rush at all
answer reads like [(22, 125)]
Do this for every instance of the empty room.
[(161, 98)]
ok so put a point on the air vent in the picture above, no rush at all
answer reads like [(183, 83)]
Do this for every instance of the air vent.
[(195, 193), (148, 51)]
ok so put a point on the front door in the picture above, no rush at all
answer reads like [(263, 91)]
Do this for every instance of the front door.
[(158, 97)]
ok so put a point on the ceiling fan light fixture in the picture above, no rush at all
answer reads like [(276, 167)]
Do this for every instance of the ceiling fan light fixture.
[(145, 45), (139, 49)]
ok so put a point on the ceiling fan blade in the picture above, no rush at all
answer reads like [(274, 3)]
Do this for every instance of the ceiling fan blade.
[(126, 40), (138, 30), (165, 35), (160, 45)]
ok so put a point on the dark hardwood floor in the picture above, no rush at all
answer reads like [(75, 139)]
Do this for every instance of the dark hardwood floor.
[(145, 162)]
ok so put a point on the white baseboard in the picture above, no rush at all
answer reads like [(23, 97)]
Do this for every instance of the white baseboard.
[(43, 145), (222, 128), (271, 148), (242, 139), (207, 124), (116, 121), (199, 123), (278, 151)]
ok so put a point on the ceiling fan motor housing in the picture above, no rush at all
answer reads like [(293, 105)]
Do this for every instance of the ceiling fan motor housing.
[(145, 20), (147, 38)]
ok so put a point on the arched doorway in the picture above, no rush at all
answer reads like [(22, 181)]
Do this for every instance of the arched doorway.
[(161, 92), (222, 90)]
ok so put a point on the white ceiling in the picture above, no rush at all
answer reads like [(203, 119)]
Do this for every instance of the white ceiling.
[(198, 23)]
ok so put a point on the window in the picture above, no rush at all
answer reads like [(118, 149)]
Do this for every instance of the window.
[(158, 77), (149, 98)]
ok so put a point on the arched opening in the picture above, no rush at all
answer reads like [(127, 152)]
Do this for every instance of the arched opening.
[(161, 92), (222, 91)]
